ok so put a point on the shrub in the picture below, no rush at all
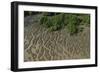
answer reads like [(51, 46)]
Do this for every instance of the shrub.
[(85, 19), (54, 23), (45, 21), (58, 21), (73, 23)]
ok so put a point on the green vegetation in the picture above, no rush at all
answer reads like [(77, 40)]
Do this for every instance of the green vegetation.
[(53, 23), (85, 19), (73, 24), (57, 22), (60, 20)]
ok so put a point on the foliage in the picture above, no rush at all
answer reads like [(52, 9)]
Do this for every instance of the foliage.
[(59, 21), (45, 21), (73, 24), (85, 19), (53, 22)]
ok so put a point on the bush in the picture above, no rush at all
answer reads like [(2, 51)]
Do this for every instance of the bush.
[(54, 23), (58, 21), (85, 19), (45, 21), (73, 23)]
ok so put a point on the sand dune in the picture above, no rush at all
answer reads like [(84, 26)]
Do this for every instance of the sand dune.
[(43, 45)]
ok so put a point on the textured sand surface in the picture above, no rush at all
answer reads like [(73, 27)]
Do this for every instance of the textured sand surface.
[(43, 45)]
